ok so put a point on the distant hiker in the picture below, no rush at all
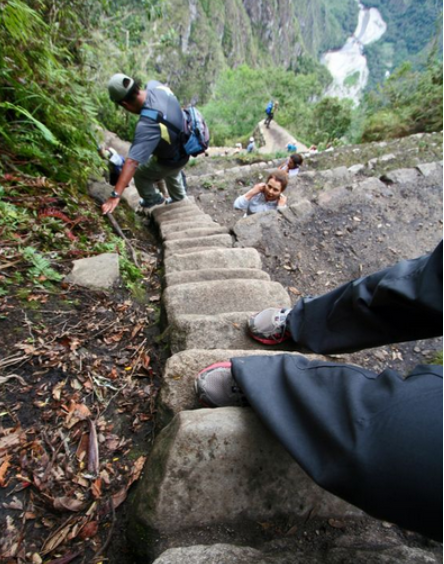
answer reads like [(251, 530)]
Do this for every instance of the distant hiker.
[(237, 148), (156, 153), (292, 164), (265, 196), (291, 147), (251, 145), (115, 163), (312, 150), (272, 107)]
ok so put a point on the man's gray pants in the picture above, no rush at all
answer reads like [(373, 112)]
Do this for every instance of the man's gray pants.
[(151, 172)]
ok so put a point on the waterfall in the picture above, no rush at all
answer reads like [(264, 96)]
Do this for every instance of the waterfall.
[(348, 65)]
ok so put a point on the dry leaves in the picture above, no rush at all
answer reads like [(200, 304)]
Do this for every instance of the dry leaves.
[(66, 466)]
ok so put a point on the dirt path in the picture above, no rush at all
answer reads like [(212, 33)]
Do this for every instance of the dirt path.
[(276, 139)]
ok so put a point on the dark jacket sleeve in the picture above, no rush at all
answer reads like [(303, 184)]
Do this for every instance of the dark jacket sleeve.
[(400, 303)]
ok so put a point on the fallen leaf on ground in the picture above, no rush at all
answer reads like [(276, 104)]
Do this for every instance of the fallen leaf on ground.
[(89, 530), (77, 412), (68, 503), (3, 469), (4, 379), (12, 439)]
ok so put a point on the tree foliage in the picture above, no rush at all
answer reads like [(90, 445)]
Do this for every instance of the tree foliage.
[(410, 101), (332, 119), (242, 94), (46, 114)]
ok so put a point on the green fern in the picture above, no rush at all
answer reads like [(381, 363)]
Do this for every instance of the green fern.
[(41, 267)]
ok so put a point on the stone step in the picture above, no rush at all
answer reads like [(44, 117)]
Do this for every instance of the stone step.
[(159, 211), (196, 233), (187, 215), (365, 547), (177, 392), (207, 274), (170, 212), (213, 466), (222, 331), (180, 245), (214, 258), (223, 296), (185, 223)]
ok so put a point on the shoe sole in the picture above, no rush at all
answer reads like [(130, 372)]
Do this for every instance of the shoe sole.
[(266, 341)]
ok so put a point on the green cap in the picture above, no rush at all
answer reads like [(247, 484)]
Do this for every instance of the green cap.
[(118, 86)]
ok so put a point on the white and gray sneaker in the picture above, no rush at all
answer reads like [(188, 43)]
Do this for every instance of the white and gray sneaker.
[(216, 387), (269, 326)]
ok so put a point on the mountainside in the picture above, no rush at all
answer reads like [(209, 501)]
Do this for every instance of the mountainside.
[(189, 42), (412, 27)]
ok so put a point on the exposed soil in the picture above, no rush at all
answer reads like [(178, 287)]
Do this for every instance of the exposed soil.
[(79, 374)]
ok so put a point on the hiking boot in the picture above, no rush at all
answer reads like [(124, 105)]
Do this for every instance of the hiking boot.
[(269, 327), (215, 387), (157, 202)]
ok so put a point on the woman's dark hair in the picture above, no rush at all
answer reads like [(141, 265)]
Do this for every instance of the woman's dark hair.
[(281, 176), (297, 159)]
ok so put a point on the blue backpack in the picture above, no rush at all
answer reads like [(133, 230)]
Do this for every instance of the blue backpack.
[(195, 136), (269, 108)]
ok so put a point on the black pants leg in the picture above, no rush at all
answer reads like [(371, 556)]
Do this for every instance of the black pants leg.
[(373, 440), (400, 303)]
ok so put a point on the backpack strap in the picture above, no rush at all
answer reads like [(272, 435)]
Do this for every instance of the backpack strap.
[(157, 117)]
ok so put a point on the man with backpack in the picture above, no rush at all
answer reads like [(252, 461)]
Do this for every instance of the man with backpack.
[(157, 152), (272, 107)]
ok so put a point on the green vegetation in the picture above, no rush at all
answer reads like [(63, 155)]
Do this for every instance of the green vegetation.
[(46, 114), (411, 28), (410, 101), (326, 23), (48, 123), (241, 95), (352, 79)]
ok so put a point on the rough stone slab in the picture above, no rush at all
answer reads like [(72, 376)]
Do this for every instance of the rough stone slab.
[(212, 466), (334, 197), (185, 203), (214, 274), (196, 232), (212, 554), (356, 169), (431, 171), (249, 231), (177, 392), (223, 296), (169, 212), (214, 258), (222, 331), (101, 271), (193, 249), (401, 175), (287, 552), (302, 208), (184, 216), (199, 242), (181, 224), (334, 177)]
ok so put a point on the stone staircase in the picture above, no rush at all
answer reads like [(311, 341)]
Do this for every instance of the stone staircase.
[(217, 487), (214, 466), (216, 479)]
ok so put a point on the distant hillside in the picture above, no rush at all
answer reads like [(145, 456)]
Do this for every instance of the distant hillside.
[(412, 27)]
